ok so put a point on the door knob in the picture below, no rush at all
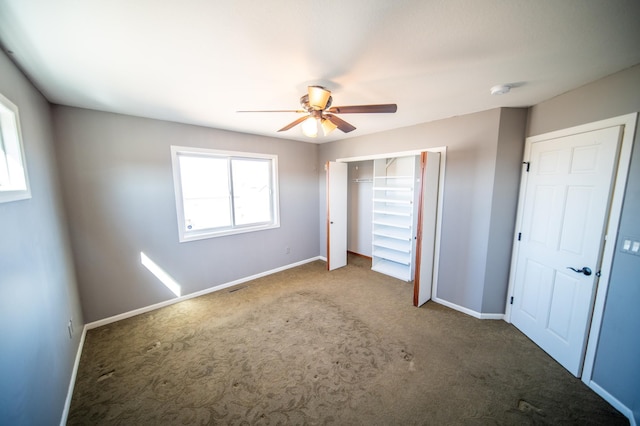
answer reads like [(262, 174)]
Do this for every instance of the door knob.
[(585, 270)]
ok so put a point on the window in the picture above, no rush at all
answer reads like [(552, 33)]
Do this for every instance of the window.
[(221, 192), (14, 184)]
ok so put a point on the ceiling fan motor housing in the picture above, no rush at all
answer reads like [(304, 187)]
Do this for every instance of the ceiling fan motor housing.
[(304, 102)]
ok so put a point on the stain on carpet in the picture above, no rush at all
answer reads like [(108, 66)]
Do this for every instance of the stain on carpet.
[(529, 408)]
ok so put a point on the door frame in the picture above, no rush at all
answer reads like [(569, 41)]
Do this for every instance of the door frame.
[(443, 157), (628, 122)]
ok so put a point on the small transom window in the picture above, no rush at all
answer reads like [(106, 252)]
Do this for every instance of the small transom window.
[(14, 184)]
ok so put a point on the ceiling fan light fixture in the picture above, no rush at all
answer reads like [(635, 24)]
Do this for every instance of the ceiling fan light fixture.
[(318, 97), (310, 127), (327, 126)]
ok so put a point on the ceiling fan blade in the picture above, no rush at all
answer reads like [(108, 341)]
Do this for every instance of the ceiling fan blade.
[(295, 123), (276, 110), (363, 109), (342, 125)]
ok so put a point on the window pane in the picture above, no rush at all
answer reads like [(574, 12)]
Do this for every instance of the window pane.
[(205, 192), (4, 169), (206, 213), (251, 191), (14, 184), (204, 177)]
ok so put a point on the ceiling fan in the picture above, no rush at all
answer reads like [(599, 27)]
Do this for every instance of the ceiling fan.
[(316, 104)]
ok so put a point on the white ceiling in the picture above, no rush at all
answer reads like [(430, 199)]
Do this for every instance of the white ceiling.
[(199, 61)]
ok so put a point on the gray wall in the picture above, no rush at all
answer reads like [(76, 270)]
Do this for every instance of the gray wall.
[(616, 368), (474, 146), (38, 292), (506, 186), (118, 189)]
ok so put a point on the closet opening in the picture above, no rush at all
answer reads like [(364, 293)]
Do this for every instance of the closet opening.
[(393, 216), (359, 213)]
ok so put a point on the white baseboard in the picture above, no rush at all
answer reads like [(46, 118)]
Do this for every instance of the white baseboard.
[(615, 403), (169, 302), (468, 311), (149, 308), (95, 324), (626, 411), (72, 381), (492, 316)]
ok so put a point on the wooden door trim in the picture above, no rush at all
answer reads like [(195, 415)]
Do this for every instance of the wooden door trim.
[(418, 251)]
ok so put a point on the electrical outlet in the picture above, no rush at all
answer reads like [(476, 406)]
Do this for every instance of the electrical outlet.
[(287, 250)]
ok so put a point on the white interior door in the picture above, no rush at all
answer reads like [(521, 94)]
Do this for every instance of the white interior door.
[(426, 238), (336, 215), (564, 211)]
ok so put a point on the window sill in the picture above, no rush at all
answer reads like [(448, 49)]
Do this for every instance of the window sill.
[(203, 235)]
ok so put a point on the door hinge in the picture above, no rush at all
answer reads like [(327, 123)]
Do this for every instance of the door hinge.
[(511, 301), (519, 236), (528, 164)]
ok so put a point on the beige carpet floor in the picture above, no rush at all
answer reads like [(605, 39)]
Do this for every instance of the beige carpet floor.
[(306, 346)]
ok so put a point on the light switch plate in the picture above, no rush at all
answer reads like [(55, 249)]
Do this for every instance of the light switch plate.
[(630, 245)]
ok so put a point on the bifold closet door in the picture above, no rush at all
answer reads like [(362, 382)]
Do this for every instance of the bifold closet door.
[(426, 229), (336, 215)]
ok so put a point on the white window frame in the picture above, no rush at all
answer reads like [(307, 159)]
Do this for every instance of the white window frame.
[(14, 182), (186, 235)]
